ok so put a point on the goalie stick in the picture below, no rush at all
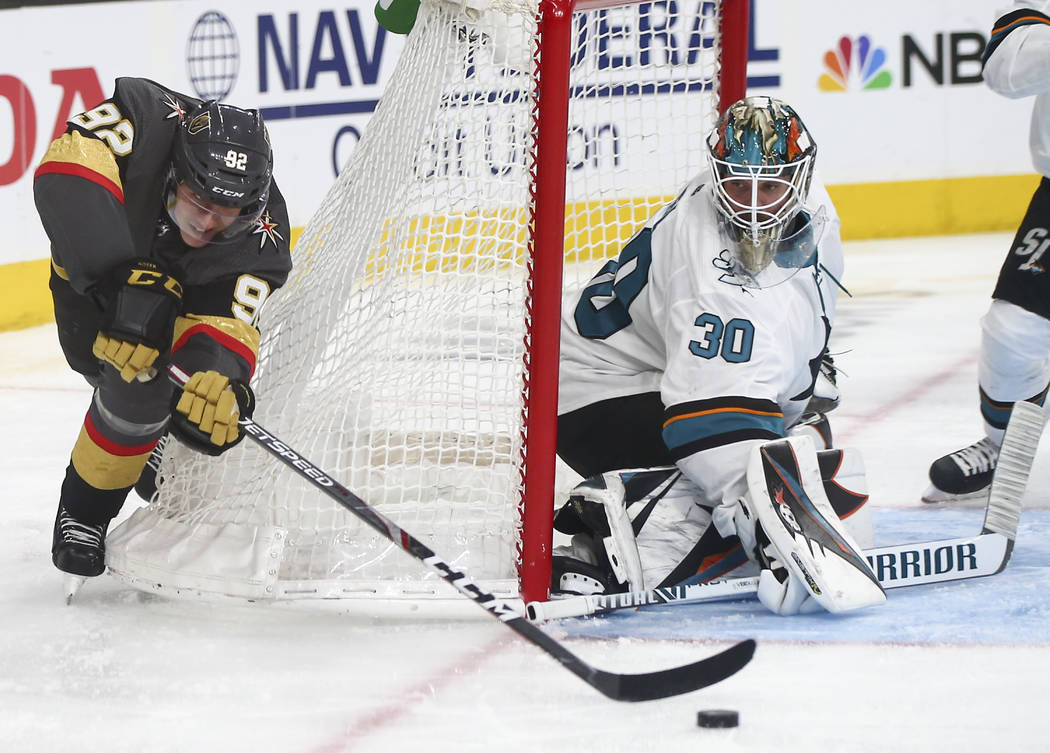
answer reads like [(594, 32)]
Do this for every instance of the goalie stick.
[(620, 687), (896, 566)]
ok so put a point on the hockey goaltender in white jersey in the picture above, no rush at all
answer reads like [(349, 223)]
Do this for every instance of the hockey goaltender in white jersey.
[(686, 361)]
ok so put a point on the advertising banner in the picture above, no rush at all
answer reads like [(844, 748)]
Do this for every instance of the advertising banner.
[(316, 71), (910, 139)]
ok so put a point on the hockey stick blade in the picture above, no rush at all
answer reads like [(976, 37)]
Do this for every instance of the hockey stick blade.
[(649, 686), (896, 566), (619, 687)]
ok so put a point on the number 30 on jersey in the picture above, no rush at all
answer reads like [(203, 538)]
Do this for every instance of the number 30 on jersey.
[(733, 340)]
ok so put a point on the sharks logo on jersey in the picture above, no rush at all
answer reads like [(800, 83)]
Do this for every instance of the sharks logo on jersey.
[(724, 263)]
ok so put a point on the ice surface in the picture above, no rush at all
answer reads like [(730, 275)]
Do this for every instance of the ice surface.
[(955, 667)]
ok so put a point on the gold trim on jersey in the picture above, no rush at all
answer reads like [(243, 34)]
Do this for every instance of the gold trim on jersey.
[(73, 148), (60, 270), (243, 333), (102, 469)]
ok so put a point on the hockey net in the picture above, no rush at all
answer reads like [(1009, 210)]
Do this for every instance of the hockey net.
[(412, 353)]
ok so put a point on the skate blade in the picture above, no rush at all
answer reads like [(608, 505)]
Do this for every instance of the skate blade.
[(72, 584), (934, 496)]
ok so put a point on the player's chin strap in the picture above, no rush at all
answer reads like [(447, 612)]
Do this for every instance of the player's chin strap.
[(896, 566)]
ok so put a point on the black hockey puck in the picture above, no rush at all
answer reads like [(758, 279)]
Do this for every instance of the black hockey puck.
[(718, 718)]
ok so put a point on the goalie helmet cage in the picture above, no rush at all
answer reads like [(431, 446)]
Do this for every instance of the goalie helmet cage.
[(413, 353)]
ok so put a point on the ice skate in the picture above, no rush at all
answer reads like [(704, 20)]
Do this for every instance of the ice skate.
[(963, 475), (78, 550)]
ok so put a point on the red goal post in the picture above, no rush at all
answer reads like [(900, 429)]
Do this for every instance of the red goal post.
[(413, 353), (552, 112)]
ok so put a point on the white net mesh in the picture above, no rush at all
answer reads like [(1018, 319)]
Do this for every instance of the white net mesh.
[(393, 357)]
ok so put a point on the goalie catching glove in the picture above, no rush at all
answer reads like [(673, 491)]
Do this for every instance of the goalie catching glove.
[(141, 302), (787, 525), (205, 413)]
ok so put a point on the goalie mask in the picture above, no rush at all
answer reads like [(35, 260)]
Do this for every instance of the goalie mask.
[(220, 173), (761, 158)]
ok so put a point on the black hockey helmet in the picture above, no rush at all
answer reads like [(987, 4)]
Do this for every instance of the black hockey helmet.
[(221, 154)]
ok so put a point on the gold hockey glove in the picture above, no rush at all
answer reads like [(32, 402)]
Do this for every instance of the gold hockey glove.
[(205, 413), (141, 304)]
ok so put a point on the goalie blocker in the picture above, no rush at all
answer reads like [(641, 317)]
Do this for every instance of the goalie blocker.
[(800, 522)]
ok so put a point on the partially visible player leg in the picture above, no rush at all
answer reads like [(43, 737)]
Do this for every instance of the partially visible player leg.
[(622, 432), (670, 537), (963, 474), (119, 431), (1015, 344), (84, 513), (650, 515)]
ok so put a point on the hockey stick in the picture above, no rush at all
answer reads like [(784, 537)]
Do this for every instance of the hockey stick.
[(620, 687), (896, 566)]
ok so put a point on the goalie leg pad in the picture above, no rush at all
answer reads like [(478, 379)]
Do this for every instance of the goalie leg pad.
[(669, 528), (630, 529), (570, 575), (596, 517), (787, 506)]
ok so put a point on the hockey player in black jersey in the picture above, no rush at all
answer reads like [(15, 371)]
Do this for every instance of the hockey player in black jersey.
[(167, 234), (1015, 330)]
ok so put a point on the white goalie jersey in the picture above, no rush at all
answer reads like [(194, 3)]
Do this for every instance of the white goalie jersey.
[(734, 364)]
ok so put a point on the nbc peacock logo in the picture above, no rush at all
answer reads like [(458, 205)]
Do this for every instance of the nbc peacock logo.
[(854, 64)]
